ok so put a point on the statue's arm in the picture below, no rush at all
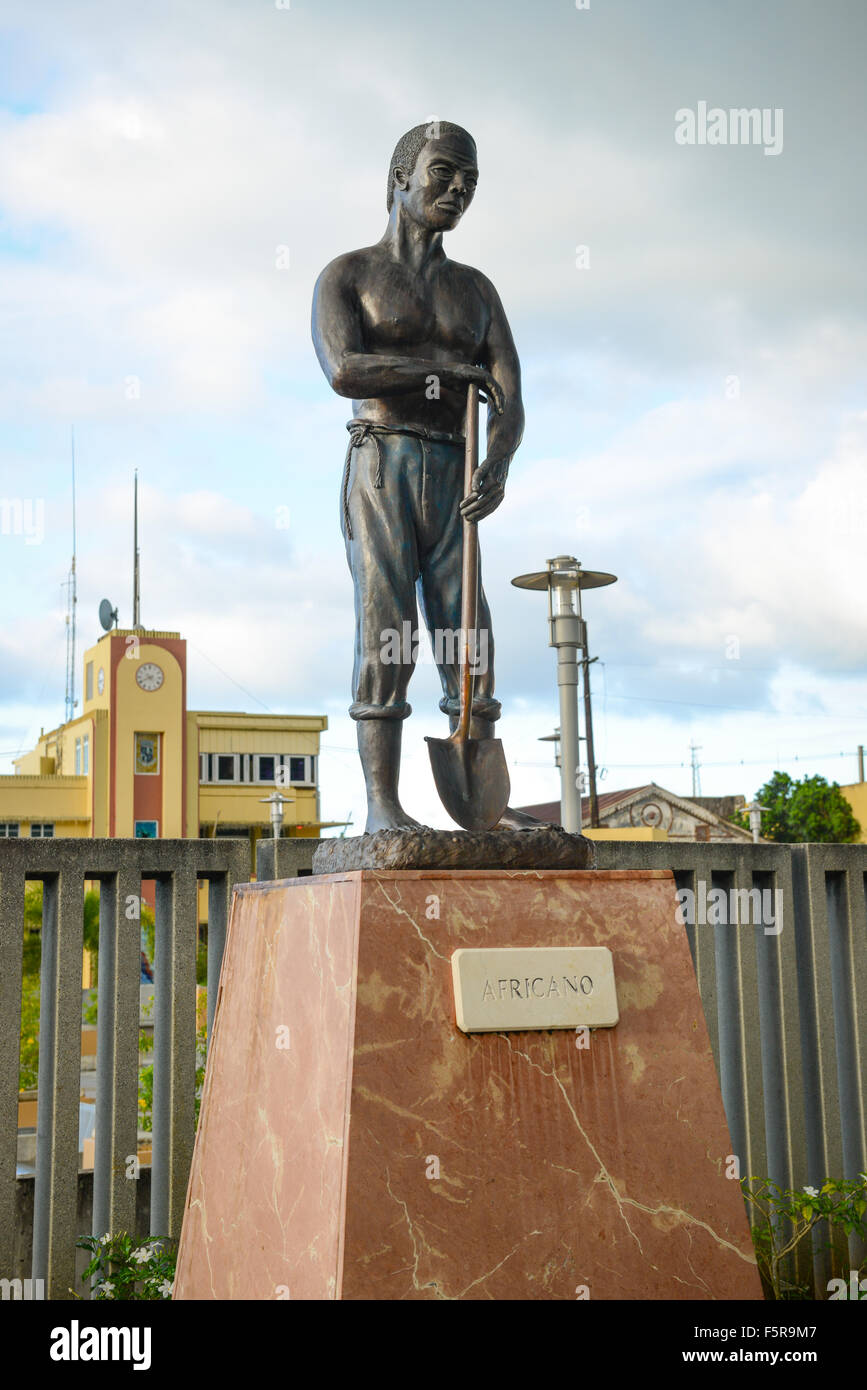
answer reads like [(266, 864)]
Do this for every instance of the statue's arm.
[(353, 372), (505, 426)]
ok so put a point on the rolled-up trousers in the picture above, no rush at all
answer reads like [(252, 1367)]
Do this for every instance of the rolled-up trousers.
[(403, 531)]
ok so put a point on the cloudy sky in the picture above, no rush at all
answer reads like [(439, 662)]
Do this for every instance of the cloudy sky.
[(694, 378)]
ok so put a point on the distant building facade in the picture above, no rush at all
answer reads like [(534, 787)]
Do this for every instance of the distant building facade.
[(856, 795), (136, 762), (634, 812)]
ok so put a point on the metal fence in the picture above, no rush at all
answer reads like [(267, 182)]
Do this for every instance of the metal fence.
[(783, 982), (64, 866), (785, 1002)]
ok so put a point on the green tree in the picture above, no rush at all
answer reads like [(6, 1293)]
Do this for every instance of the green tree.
[(31, 963), (813, 810), (33, 903)]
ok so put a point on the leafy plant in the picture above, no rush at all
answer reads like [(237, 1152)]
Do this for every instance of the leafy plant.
[(148, 929), (31, 965), (28, 1063), (129, 1270), (146, 1074), (788, 1215), (201, 961), (33, 909)]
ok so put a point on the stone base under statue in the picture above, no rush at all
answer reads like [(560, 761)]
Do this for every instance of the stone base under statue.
[(355, 1144), (548, 847)]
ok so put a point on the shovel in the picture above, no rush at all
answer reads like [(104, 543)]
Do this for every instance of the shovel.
[(470, 773)]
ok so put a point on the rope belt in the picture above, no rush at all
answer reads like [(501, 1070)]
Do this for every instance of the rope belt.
[(362, 430)]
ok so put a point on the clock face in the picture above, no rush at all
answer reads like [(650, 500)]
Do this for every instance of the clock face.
[(149, 676), (100, 680)]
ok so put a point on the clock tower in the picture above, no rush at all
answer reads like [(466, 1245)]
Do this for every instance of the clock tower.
[(136, 762), (135, 689)]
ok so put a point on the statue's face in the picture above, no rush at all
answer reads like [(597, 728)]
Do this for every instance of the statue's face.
[(442, 184)]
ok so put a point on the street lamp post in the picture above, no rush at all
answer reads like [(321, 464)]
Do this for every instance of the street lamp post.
[(276, 801), (564, 579), (555, 739), (754, 811)]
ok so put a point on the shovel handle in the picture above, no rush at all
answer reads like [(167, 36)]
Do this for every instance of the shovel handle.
[(470, 568)]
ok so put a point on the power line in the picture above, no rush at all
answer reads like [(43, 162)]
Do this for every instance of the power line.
[(738, 709), (230, 678), (736, 762)]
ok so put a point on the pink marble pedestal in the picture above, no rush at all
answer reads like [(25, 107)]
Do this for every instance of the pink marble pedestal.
[(355, 1144)]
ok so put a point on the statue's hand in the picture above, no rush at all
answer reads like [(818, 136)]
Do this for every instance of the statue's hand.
[(460, 375), (487, 490)]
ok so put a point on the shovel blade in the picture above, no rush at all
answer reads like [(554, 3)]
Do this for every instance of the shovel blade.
[(471, 778)]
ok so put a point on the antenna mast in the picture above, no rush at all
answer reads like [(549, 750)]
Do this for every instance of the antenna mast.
[(135, 580), (72, 600)]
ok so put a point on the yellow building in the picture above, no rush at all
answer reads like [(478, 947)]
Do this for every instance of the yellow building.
[(856, 795), (137, 762)]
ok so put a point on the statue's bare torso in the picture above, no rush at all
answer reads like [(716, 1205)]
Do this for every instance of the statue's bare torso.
[(441, 314)]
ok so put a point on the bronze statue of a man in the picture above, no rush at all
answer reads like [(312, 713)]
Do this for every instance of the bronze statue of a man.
[(403, 330)]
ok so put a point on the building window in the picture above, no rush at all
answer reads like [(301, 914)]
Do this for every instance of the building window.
[(78, 757), (42, 830), (147, 830), (85, 754), (88, 681), (299, 770), (8, 830), (147, 754), (264, 767)]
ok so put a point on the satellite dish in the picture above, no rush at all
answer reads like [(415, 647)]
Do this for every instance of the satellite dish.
[(107, 615)]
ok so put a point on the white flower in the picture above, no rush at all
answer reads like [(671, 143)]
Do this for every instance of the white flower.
[(106, 1239), (811, 1192), (139, 1256), (104, 1290), (165, 1289)]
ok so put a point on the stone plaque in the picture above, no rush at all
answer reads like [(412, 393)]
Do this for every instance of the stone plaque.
[(515, 989)]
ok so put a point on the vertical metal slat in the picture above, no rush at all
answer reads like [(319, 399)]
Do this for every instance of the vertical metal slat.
[(11, 946), (219, 892), (174, 1048), (56, 1192), (115, 1169), (730, 1022)]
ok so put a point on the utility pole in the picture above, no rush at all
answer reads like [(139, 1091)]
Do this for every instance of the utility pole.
[(860, 762), (588, 725), (694, 749)]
